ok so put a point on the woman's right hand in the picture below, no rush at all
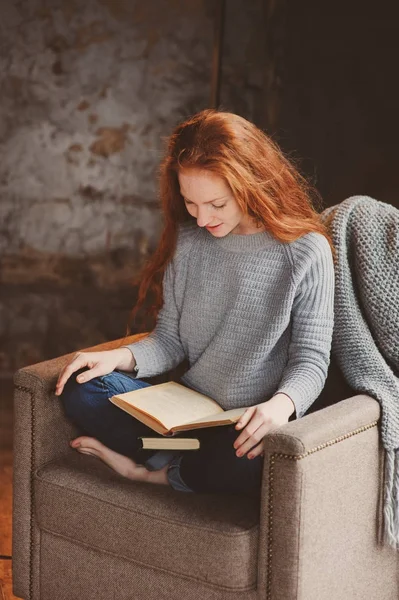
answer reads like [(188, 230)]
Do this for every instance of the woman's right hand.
[(98, 363)]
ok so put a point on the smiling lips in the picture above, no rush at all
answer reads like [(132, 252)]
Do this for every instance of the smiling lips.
[(213, 227)]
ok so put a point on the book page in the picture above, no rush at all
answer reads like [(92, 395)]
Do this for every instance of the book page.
[(227, 417), (172, 403), (141, 416)]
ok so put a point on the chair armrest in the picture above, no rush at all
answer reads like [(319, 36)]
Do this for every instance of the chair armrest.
[(40, 429), (41, 434), (320, 496), (325, 425)]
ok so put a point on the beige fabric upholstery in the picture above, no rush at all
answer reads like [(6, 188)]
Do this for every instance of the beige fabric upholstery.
[(130, 581), (203, 538), (82, 531)]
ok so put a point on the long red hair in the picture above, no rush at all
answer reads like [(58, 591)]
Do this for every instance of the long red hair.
[(265, 184)]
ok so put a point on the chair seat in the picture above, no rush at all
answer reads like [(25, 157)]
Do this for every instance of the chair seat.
[(206, 537)]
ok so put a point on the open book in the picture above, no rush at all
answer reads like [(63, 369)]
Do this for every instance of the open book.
[(170, 407)]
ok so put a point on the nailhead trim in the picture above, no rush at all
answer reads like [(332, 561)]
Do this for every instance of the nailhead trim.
[(32, 489), (271, 490)]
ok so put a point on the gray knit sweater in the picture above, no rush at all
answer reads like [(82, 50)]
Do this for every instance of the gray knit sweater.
[(253, 316)]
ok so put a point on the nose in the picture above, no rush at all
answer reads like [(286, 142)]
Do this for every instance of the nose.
[(202, 219)]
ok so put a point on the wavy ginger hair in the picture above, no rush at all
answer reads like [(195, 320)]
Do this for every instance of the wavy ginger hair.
[(263, 181)]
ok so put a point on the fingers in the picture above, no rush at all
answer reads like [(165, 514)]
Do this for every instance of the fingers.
[(87, 375), (251, 424), (257, 451), (247, 444), (246, 417), (252, 435), (78, 362)]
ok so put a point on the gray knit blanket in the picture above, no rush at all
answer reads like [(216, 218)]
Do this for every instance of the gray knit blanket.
[(365, 233)]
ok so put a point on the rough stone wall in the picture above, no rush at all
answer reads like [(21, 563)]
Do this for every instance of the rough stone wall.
[(89, 90)]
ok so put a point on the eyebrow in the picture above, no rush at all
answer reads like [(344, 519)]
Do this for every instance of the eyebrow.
[(208, 202)]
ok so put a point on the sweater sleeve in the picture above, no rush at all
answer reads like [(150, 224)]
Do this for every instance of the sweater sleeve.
[(312, 323), (161, 350)]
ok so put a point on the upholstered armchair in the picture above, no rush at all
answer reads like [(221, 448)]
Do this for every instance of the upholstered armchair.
[(83, 532)]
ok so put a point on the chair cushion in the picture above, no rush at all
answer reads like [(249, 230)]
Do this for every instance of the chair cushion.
[(208, 537)]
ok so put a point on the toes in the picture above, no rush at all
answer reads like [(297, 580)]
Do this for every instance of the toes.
[(84, 441), (77, 441)]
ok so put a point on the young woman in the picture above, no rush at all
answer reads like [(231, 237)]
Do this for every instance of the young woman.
[(243, 282)]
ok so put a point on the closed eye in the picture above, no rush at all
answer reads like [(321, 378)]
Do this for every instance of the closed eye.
[(213, 205)]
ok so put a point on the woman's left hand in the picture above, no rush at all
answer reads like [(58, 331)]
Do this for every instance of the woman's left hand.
[(259, 420)]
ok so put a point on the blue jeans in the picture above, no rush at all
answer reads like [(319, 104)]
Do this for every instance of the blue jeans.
[(213, 468)]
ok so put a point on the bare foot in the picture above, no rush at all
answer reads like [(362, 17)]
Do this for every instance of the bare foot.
[(121, 464)]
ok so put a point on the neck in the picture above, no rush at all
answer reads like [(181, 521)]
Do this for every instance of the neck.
[(249, 227), (244, 242)]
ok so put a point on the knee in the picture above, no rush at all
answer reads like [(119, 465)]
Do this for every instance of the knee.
[(77, 397)]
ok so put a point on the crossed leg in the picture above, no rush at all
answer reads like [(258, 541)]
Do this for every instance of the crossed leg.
[(123, 465), (88, 406)]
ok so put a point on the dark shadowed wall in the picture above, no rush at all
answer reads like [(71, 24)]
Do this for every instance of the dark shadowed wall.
[(340, 95)]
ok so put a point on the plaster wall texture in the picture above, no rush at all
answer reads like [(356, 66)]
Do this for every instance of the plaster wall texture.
[(89, 91)]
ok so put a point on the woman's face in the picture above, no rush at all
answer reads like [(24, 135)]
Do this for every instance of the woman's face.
[(209, 199)]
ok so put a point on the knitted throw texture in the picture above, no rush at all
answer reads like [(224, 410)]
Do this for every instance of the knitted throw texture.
[(365, 233)]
